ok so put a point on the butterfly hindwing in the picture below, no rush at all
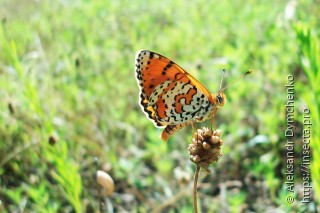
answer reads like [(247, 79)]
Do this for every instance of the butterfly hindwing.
[(182, 102)]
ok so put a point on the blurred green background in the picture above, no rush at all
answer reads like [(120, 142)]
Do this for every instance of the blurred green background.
[(69, 103)]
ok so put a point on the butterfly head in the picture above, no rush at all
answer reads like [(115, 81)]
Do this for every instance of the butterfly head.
[(220, 99)]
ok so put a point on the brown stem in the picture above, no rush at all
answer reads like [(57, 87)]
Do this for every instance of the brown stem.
[(99, 187), (196, 174)]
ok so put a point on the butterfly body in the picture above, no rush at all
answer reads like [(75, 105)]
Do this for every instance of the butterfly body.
[(169, 96)]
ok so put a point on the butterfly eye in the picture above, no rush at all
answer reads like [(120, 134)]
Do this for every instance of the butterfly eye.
[(219, 98)]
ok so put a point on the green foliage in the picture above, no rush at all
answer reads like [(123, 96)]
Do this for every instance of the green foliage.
[(66, 174), (310, 62), (67, 76), (40, 198), (236, 200)]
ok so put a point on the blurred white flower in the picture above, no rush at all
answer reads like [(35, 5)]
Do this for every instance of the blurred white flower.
[(290, 10)]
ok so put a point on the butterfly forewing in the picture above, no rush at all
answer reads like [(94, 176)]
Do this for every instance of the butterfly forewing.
[(168, 94)]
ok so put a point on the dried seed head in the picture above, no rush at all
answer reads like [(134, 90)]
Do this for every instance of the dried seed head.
[(206, 132), (105, 180), (197, 137), (217, 132), (206, 147), (220, 142), (214, 139), (53, 138), (195, 158)]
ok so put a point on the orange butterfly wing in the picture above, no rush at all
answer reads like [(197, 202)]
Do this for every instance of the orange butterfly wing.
[(169, 95)]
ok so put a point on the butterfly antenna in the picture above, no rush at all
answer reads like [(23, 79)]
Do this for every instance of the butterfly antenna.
[(223, 72), (244, 74)]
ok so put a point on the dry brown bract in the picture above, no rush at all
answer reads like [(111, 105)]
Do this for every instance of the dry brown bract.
[(206, 147)]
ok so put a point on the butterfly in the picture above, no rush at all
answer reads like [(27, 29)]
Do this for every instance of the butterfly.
[(170, 97)]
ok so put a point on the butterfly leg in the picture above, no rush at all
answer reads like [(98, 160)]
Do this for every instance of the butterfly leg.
[(213, 123), (213, 117), (192, 128)]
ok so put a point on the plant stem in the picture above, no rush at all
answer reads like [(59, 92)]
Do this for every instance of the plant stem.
[(196, 174)]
